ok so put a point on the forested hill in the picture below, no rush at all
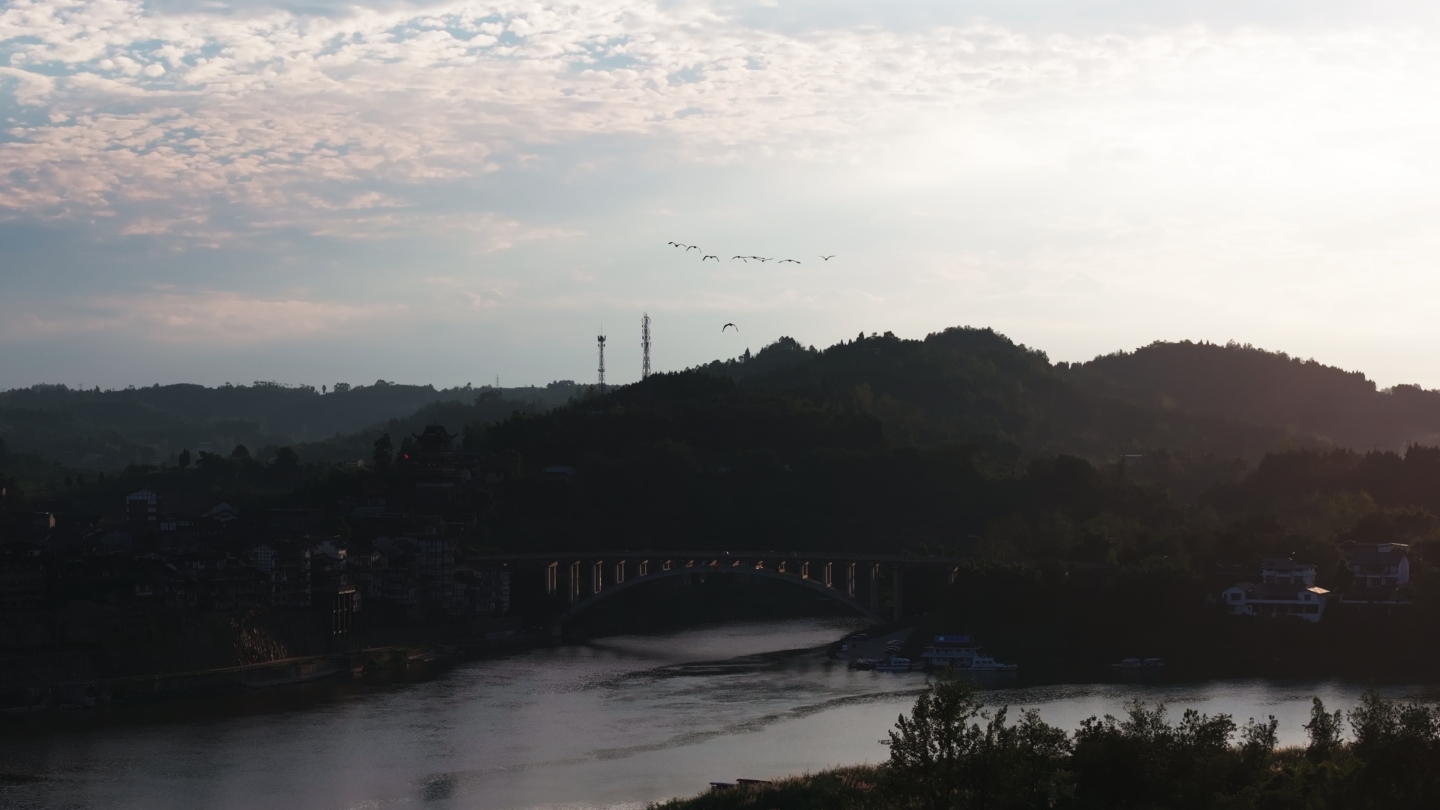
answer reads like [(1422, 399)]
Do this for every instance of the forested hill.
[(967, 385), (1265, 388)]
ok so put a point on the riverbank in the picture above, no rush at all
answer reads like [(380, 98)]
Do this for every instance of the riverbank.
[(950, 752), (618, 721)]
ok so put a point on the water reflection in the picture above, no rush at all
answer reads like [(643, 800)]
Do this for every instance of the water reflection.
[(616, 723)]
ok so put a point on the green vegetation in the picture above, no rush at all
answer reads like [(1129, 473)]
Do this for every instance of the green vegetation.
[(952, 754)]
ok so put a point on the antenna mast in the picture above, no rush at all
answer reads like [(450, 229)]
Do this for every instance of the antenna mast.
[(600, 339), (645, 345)]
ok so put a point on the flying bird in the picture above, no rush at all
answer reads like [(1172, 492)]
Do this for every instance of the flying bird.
[(782, 261), (745, 259), (729, 326), (759, 259), (828, 258), (703, 258), (689, 248)]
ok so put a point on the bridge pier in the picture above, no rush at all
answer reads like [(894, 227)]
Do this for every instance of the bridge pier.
[(899, 580), (874, 586), (574, 582)]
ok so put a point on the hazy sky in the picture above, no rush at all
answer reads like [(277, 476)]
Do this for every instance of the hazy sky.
[(323, 191)]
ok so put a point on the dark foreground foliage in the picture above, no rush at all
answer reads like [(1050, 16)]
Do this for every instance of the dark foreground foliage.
[(951, 754)]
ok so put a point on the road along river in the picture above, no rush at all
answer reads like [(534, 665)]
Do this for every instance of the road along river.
[(618, 722)]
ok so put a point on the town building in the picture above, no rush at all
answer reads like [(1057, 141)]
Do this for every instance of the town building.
[(1295, 599), (1378, 565), (143, 507), (1283, 571)]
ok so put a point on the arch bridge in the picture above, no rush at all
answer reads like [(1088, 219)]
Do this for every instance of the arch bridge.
[(575, 582)]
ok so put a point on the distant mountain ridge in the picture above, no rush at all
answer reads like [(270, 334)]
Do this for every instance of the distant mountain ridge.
[(105, 429)]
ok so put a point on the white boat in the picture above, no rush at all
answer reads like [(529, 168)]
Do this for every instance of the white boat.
[(961, 653), (897, 664), (984, 663), (1137, 663)]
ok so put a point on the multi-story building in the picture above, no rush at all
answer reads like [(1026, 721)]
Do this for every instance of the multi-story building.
[(143, 507), (1286, 588), (1378, 565)]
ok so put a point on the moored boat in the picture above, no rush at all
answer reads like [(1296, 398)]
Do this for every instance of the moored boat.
[(897, 664)]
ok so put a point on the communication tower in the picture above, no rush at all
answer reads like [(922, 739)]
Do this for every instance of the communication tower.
[(600, 339), (645, 345)]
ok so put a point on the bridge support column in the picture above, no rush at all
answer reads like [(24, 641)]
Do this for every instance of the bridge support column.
[(829, 575), (574, 582), (619, 572), (597, 577), (874, 586), (899, 582), (644, 568), (552, 578), (850, 580), (805, 570)]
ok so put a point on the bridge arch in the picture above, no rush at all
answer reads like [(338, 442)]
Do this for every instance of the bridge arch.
[(740, 570)]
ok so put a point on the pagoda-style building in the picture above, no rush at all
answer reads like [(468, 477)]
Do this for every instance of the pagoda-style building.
[(431, 461)]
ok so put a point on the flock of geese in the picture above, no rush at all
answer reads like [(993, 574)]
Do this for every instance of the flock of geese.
[(762, 259), (706, 256)]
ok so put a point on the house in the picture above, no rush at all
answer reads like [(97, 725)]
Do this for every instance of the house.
[(1281, 571), (1378, 565), (1274, 599), (223, 514)]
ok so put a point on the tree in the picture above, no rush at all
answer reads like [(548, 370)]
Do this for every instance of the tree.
[(950, 753), (184, 459), (1325, 730), (240, 451), (384, 452), (286, 459)]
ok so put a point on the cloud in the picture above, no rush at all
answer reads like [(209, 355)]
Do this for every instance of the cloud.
[(214, 317), (285, 116)]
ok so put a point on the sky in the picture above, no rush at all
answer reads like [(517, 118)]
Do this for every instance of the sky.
[(313, 191)]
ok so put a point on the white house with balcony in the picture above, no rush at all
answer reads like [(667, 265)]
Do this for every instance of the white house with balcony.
[(1265, 599)]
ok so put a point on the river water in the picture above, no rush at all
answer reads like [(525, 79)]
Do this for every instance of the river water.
[(619, 722)]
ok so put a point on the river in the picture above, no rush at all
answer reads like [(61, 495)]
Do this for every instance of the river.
[(618, 722)]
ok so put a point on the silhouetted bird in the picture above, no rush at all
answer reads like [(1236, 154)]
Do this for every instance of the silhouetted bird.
[(729, 326), (745, 259), (689, 248), (828, 258), (703, 258), (782, 261)]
